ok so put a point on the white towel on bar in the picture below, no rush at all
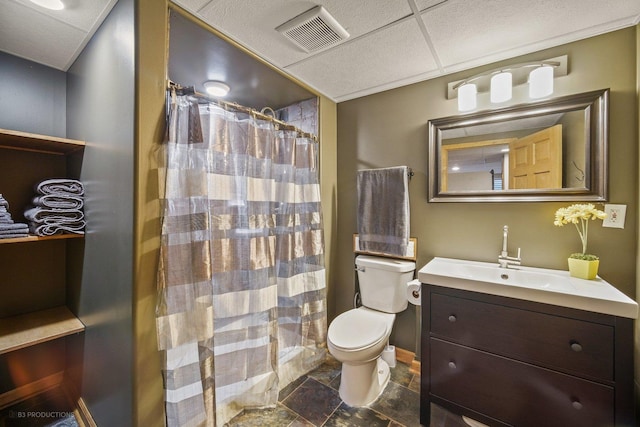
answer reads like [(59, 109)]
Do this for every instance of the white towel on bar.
[(383, 210)]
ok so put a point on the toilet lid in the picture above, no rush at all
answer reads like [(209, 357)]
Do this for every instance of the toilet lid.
[(356, 329)]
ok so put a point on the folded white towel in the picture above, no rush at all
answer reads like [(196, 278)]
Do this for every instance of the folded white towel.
[(51, 229), (40, 215), (60, 185), (13, 236), (13, 227), (59, 201), (50, 221)]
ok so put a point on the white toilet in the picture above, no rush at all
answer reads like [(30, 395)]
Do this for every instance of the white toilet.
[(358, 337)]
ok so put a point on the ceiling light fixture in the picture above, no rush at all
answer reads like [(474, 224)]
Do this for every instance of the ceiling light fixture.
[(539, 76), (467, 97), (216, 88), (541, 81), (49, 4), (501, 87)]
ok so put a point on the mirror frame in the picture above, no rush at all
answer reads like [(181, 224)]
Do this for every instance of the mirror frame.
[(596, 107)]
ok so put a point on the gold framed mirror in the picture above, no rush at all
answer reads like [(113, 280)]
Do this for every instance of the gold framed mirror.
[(549, 150)]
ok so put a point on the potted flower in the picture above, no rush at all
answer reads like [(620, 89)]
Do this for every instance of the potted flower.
[(582, 265)]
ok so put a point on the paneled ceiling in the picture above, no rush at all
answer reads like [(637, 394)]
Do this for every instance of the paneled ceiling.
[(50, 37), (391, 43)]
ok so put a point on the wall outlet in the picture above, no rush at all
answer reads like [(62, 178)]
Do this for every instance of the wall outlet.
[(615, 216)]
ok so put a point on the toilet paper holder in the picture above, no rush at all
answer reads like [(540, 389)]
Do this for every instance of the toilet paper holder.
[(414, 288)]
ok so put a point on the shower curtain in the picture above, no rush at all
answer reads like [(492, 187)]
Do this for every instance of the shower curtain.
[(241, 283)]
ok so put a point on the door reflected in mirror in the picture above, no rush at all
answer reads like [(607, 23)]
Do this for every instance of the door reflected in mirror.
[(540, 151)]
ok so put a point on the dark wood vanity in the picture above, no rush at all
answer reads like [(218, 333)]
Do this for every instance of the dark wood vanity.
[(506, 361)]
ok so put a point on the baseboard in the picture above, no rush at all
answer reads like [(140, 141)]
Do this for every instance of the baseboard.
[(29, 390), (80, 408), (83, 416), (404, 356), (415, 367), (408, 357)]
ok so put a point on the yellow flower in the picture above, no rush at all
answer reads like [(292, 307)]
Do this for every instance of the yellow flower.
[(579, 214)]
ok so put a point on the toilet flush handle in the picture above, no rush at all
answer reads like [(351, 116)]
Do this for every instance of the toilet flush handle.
[(360, 269)]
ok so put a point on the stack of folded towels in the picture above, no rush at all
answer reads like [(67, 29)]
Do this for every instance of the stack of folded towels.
[(57, 208), (9, 229)]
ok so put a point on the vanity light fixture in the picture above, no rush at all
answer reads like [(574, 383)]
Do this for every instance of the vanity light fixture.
[(467, 96), (216, 88), (541, 81), (501, 87), (49, 4), (499, 83)]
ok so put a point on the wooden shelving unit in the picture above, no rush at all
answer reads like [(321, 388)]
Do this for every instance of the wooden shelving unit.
[(27, 158), (17, 140), (41, 238), (34, 328)]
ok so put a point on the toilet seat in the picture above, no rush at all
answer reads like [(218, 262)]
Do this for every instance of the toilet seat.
[(358, 329)]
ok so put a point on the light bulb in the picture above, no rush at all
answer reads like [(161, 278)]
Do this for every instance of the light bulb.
[(467, 97), (541, 82), (501, 87)]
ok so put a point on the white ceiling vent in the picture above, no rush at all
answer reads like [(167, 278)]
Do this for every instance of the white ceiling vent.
[(313, 30)]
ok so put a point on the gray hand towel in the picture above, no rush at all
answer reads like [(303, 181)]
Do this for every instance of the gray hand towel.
[(383, 210)]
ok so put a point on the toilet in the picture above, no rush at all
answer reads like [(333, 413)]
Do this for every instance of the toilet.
[(358, 337)]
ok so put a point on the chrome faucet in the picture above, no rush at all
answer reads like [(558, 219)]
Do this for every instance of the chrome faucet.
[(504, 259)]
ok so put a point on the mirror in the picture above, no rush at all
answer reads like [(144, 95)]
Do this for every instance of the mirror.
[(549, 150)]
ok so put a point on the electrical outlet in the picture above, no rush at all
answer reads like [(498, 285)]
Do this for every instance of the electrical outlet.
[(615, 216)]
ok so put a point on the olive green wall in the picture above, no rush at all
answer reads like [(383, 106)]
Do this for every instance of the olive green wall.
[(390, 128), (151, 64), (637, 340)]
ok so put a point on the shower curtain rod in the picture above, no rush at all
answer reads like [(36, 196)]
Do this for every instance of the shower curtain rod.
[(190, 90)]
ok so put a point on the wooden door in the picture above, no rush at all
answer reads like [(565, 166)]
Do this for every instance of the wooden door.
[(536, 160)]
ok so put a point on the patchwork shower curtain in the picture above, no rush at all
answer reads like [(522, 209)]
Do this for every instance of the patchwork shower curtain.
[(242, 300)]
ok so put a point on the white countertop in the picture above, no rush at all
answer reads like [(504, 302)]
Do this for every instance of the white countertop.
[(529, 283)]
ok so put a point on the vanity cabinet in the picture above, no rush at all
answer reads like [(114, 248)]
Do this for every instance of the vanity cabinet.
[(506, 361), (39, 276)]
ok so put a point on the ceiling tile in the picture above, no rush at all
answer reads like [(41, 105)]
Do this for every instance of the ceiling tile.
[(192, 6), (43, 40), (253, 23), (487, 31), (83, 15), (378, 61)]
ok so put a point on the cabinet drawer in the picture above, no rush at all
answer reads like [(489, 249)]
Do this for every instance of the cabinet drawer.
[(514, 392), (572, 346)]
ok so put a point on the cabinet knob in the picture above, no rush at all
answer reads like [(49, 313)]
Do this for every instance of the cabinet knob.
[(452, 364), (575, 346), (576, 404), (452, 318)]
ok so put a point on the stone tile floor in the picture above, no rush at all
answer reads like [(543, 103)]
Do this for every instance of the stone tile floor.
[(313, 400), (48, 409)]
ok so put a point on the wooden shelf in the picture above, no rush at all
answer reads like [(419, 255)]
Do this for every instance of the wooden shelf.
[(25, 330), (17, 140), (41, 238)]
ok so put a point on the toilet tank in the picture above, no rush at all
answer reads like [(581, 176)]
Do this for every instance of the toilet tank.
[(383, 282)]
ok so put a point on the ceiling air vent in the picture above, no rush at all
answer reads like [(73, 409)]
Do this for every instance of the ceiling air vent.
[(313, 30)]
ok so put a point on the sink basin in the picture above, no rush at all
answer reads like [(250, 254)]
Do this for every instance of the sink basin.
[(529, 283)]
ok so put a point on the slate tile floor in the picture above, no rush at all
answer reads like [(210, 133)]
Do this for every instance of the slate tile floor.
[(313, 400), (48, 409)]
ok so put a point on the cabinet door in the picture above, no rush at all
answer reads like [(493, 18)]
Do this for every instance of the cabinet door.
[(516, 393), (573, 346)]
